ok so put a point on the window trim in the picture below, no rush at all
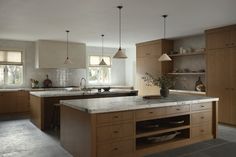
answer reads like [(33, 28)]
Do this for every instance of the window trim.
[(14, 63), (98, 66)]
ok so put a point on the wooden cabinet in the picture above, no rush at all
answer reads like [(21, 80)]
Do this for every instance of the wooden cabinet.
[(8, 102), (221, 72), (22, 101), (14, 102), (148, 54), (127, 133), (52, 54), (221, 37)]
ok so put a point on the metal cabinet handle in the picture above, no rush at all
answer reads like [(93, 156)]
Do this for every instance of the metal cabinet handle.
[(116, 117), (115, 132), (178, 109), (115, 148), (202, 117), (202, 130), (202, 106), (150, 112)]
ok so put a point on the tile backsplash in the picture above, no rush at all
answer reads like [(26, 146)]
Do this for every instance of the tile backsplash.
[(60, 77)]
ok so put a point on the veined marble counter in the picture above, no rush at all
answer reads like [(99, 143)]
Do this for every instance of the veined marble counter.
[(76, 93), (103, 105)]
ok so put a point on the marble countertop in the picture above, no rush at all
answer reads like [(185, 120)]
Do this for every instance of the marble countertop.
[(76, 93), (103, 105), (62, 88)]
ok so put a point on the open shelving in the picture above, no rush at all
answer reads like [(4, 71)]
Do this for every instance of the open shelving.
[(190, 73), (163, 128), (187, 54)]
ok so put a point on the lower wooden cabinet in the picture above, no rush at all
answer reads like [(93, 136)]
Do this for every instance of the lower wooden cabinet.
[(14, 102), (114, 132), (201, 130), (137, 133), (115, 149)]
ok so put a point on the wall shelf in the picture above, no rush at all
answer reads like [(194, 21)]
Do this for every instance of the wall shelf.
[(197, 73), (187, 54)]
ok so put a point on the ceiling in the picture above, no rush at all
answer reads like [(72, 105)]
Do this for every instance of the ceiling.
[(88, 19)]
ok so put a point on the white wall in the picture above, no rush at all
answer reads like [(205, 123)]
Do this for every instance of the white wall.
[(130, 70), (118, 65), (61, 77)]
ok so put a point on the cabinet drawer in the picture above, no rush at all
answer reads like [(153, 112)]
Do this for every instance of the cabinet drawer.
[(201, 130), (198, 118), (202, 106), (113, 132), (177, 109), (115, 149), (149, 113), (114, 117)]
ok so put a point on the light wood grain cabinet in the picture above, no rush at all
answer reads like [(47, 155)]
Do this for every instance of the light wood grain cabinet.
[(147, 54), (127, 133), (221, 70), (221, 37)]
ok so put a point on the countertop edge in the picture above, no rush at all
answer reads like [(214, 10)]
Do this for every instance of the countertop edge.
[(131, 107)]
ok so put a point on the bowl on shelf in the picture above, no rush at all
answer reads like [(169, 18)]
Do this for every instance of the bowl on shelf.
[(163, 138)]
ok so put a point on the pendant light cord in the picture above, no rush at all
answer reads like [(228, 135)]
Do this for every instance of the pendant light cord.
[(102, 44), (164, 16), (67, 47), (120, 7)]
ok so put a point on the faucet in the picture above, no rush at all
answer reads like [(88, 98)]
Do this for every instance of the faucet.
[(81, 82)]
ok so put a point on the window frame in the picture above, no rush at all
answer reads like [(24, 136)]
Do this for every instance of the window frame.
[(98, 66), (5, 63)]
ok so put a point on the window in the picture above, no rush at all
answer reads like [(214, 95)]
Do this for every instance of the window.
[(11, 68), (99, 74)]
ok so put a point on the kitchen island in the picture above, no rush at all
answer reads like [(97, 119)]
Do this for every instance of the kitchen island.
[(135, 127), (42, 102)]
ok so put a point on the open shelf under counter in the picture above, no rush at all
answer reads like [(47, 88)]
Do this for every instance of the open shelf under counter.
[(141, 146), (188, 54), (160, 130), (196, 73)]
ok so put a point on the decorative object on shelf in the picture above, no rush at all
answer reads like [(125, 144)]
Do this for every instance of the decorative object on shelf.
[(164, 56), (167, 137), (47, 83), (119, 54), (67, 61), (164, 82), (34, 83), (199, 86), (102, 63)]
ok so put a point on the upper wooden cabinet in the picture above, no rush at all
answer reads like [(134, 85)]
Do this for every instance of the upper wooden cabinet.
[(221, 37), (147, 54), (52, 54)]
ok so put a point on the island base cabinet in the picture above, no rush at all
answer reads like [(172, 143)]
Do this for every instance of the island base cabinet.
[(123, 148), (136, 133), (201, 130)]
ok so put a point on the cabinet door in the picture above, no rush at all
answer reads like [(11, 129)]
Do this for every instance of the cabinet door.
[(219, 39), (233, 37), (149, 50), (218, 84), (8, 102), (22, 101), (233, 84)]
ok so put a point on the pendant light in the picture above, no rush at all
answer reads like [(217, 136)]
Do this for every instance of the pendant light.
[(119, 54), (164, 56), (67, 61), (102, 63)]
